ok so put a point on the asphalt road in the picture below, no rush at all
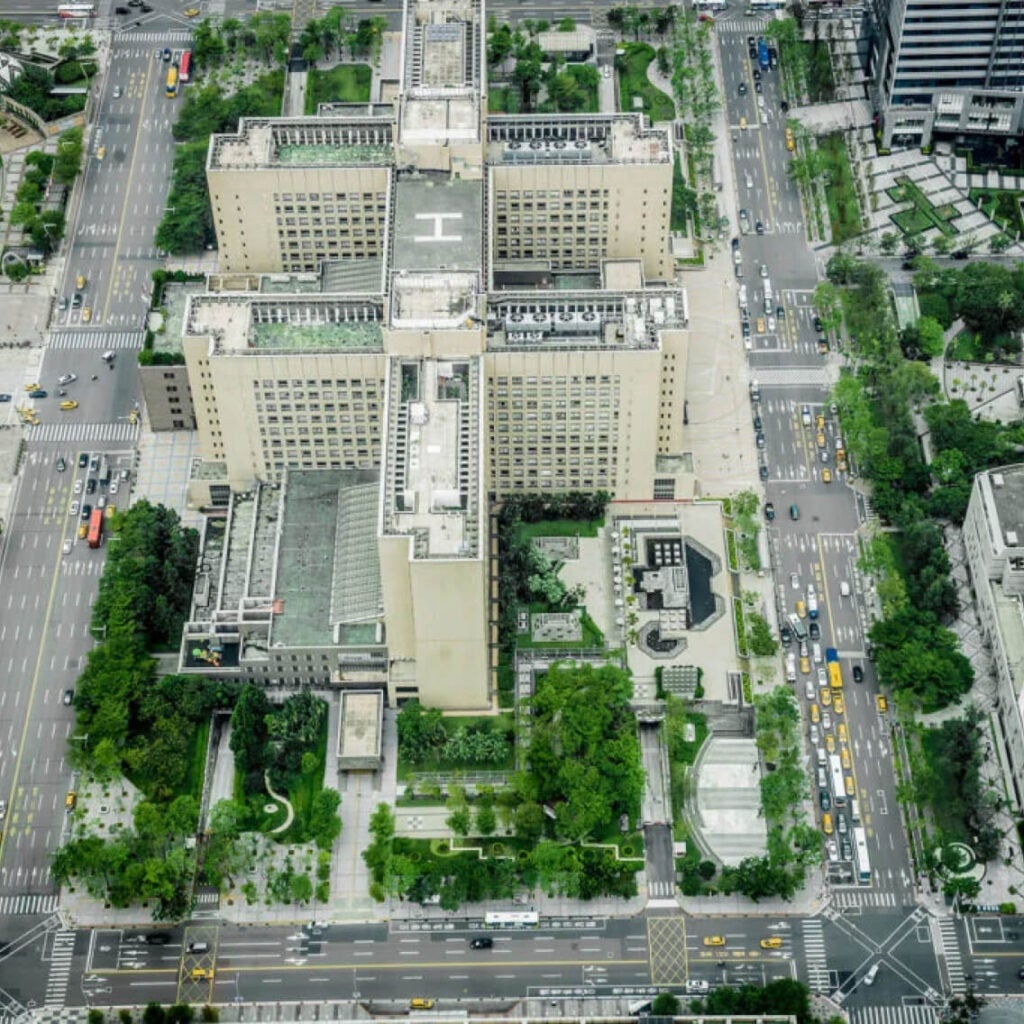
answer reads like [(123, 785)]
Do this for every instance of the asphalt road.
[(47, 594), (821, 547)]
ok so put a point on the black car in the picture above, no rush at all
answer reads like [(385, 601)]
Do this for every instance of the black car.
[(814, 630), (61, 464), (86, 511), (742, 89), (83, 460), (69, 697), (735, 244), (769, 514), (818, 325), (784, 106), (760, 439), (753, 52), (158, 938), (780, 312), (94, 463), (745, 328), (484, 943), (762, 471), (786, 635), (757, 74), (858, 674), (1020, 974), (167, 54), (759, 228), (90, 485), (824, 799), (758, 425), (120, 10), (751, 41), (758, 88)]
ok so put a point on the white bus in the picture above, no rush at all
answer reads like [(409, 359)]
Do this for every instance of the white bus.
[(838, 785), (512, 919), (82, 10), (860, 849)]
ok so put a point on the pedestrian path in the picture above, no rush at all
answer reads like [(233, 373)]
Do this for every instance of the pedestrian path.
[(47, 433), (60, 967), (153, 37), (741, 26), (791, 376), (661, 889), (814, 955), (97, 339), (863, 898), (15, 905), (893, 1015), (951, 954)]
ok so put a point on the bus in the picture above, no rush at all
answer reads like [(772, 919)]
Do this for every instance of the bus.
[(172, 83), (838, 783), (860, 848), (835, 675), (95, 527), (763, 57), (512, 919), (185, 67), (76, 11)]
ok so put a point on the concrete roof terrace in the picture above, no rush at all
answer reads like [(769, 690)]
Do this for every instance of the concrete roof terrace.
[(1007, 489), (438, 224)]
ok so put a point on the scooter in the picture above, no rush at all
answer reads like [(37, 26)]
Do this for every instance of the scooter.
[(62, 392), (95, 377)]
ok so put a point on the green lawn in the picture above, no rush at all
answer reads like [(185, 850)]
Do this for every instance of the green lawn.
[(560, 528), (503, 99), (922, 215), (843, 208), (306, 786), (197, 763), (633, 81), (1001, 206), (347, 83)]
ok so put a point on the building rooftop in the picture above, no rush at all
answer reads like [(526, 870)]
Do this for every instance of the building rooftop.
[(304, 142), (436, 301), (324, 516), (437, 224), (359, 737), (434, 451), (241, 324), (576, 138), (1007, 486)]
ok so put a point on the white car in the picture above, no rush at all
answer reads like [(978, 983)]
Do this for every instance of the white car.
[(822, 679), (771, 323), (809, 690), (815, 736), (833, 850), (764, 269), (67, 378), (826, 720), (794, 581), (78, 486), (113, 487), (68, 544), (73, 511)]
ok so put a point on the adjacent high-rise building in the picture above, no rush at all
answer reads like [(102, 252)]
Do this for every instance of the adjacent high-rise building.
[(948, 67), (441, 305)]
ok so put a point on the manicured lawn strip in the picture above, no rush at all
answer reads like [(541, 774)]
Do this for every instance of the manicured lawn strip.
[(923, 214), (306, 786), (561, 528), (843, 208), (592, 105)]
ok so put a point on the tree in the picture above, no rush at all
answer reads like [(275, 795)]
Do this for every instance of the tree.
[(529, 821), (154, 1014), (889, 243), (828, 305), (759, 636), (999, 243), (421, 733), (485, 821), (324, 823), (665, 1004)]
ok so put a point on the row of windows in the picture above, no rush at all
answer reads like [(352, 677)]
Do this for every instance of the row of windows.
[(547, 382), (353, 386), (287, 426), (355, 208), (530, 193), (337, 197)]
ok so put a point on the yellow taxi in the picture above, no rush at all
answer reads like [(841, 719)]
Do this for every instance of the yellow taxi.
[(820, 421), (83, 531), (826, 476), (815, 714), (882, 703), (844, 736), (826, 824), (32, 387), (821, 439), (191, 12), (714, 940), (109, 511), (844, 756), (68, 406), (826, 696), (201, 974), (837, 704), (851, 790), (421, 1004), (86, 314), (774, 942), (830, 743), (743, 123), (71, 800), (760, 325), (101, 152), (80, 282), (805, 664), (801, 609)]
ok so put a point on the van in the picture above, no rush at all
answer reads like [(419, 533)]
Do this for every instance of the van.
[(844, 588), (421, 1004), (854, 812), (199, 947), (791, 667), (799, 629)]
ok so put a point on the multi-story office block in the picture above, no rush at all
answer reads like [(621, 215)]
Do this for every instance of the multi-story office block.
[(948, 67), (994, 540), (467, 307)]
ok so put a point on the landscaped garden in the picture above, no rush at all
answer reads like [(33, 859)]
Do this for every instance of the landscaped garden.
[(346, 83), (840, 191), (631, 66), (922, 215), (1002, 206)]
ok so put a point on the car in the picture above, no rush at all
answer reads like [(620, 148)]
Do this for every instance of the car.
[(198, 947), (38, 393), (805, 415), (697, 987), (482, 943), (745, 328), (762, 471), (826, 824), (814, 630), (421, 1004), (94, 463), (824, 800), (794, 512), (844, 758), (830, 743), (62, 303), (858, 674), (843, 733), (113, 487), (67, 378), (742, 89), (32, 387), (146, 9), (201, 974), (191, 12), (760, 325), (69, 405), (759, 228), (1020, 974), (4, 397), (784, 107), (826, 696), (73, 509), (60, 465), (771, 323), (117, 92), (83, 460), (80, 282), (87, 312), (606, 71), (120, 10), (772, 942), (68, 698), (109, 511), (818, 325), (826, 720), (751, 41), (76, 300), (758, 88), (794, 580), (735, 243), (769, 511), (90, 485), (846, 849), (743, 124), (805, 664), (714, 940), (826, 476), (78, 486), (3, 811), (815, 713), (125, 474), (822, 677), (882, 704), (780, 312), (67, 546), (758, 422), (763, 270), (86, 511), (757, 74), (109, 356), (785, 635), (760, 439), (815, 735), (809, 692), (752, 52)]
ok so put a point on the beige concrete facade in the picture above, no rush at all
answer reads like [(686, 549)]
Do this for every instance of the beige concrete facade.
[(168, 397)]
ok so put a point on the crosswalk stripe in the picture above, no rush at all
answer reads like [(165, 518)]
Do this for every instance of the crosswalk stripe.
[(661, 888), (863, 898), (31, 903), (130, 35), (814, 950), (60, 968), (893, 1015), (789, 376), (48, 433), (97, 339), (951, 954)]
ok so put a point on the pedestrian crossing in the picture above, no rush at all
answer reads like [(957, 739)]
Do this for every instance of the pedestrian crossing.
[(951, 953), (47, 433), (661, 889), (60, 967), (814, 955), (15, 905), (893, 1015), (153, 37), (742, 26), (207, 897), (97, 339), (843, 898), (791, 376)]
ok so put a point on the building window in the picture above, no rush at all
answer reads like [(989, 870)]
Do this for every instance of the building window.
[(664, 489)]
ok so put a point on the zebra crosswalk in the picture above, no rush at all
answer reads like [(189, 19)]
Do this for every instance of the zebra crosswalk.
[(814, 954), (950, 953), (661, 889), (60, 967), (153, 37), (791, 376), (893, 1015), (47, 433), (863, 898), (11, 906), (741, 26), (97, 339)]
